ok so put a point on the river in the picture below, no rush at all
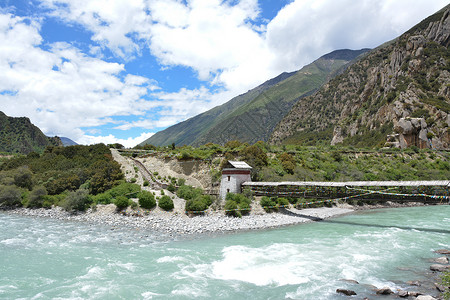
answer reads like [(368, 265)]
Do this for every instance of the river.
[(51, 259)]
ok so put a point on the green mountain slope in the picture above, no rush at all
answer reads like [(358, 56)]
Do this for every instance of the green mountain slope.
[(397, 95), (252, 116), (18, 135)]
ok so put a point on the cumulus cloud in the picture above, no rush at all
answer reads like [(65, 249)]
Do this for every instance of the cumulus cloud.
[(62, 89), (224, 42), (110, 139)]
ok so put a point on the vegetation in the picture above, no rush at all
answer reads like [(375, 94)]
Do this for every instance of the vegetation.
[(242, 117), (445, 280), (146, 200), (18, 135), (237, 205), (165, 203)]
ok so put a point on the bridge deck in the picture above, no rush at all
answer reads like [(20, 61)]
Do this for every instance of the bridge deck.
[(440, 183)]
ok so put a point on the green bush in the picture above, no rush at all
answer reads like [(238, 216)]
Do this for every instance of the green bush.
[(36, 197), (121, 202), (76, 201), (181, 181), (103, 198), (268, 204), (9, 196), (282, 202), (146, 183), (171, 188), (232, 209), (146, 200), (133, 180), (125, 189), (188, 192), (242, 205), (165, 203), (445, 281), (198, 204)]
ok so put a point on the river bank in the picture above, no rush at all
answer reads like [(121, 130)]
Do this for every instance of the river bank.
[(180, 224)]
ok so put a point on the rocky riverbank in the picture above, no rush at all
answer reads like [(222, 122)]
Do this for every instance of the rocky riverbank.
[(180, 224)]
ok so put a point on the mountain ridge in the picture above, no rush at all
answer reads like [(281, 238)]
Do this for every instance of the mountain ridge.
[(241, 117), (397, 95), (19, 135)]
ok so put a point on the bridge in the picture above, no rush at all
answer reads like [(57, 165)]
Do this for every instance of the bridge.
[(423, 191)]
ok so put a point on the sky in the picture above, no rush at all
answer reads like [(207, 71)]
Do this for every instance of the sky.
[(107, 71)]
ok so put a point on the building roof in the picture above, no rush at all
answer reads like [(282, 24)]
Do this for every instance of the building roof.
[(239, 164)]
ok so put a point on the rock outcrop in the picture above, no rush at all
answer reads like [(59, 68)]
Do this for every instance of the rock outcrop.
[(397, 95)]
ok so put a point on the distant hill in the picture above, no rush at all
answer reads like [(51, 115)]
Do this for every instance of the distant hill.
[(252, 116), (397, 95), (67, 142), (19, 135)]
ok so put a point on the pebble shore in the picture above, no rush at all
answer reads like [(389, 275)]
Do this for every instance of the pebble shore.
[(178, 224)]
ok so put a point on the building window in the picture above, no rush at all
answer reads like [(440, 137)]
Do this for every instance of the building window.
[(228, 178)]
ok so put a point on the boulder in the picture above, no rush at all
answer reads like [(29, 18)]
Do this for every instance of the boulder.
[(346, 292), (403, 294), (439, 267), (442, 260), (384, 291), (413, 282), (350, 281), (425, 297), (443, 251)]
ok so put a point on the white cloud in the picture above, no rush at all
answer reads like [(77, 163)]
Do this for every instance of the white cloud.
[(110, 139), (62, 89)]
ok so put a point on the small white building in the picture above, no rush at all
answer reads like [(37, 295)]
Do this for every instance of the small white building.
[(233, 175)]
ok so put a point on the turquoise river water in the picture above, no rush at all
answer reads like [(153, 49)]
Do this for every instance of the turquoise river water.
[(50, 259)]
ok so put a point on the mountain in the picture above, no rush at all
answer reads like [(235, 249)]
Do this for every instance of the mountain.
[(19, 135), (397, 95), (252, 116), (67, 142)]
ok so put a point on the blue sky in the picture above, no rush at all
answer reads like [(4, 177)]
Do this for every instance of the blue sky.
[(121, 70)]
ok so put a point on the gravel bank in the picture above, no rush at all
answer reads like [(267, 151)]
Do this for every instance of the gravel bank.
[(176, 224)]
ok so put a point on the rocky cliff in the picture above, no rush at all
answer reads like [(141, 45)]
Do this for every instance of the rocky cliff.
[(397, 95)]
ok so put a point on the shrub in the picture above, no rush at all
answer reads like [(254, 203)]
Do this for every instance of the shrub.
[(76, 201), (9, 195), (282, 202), (125, 189), (23, 178), (146, 183), (268, 204), (133, 180), (165, 203), (103, 198), (232, 208), (181, 181), (198, 204), (121, 202), (171, 188), (146, 200), (242, 205), (445, 280), (36, 197)]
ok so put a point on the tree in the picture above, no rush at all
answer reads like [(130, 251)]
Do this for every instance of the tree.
[(76, 201), (23, 177), (37, 195), (9, 195)]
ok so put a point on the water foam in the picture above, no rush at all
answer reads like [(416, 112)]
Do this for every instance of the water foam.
[(278, 264)]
